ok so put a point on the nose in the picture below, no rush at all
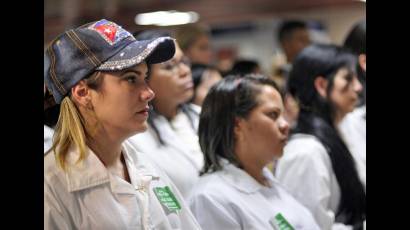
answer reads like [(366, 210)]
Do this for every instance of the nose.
[(357, 86), (147, 94), (184, 70), (283, 126)]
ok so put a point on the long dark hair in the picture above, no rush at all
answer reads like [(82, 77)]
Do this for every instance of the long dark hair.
[(232, 97), (356, 42), (316, 118), (153, 114)]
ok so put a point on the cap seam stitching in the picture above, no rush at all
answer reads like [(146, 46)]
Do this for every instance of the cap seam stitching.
[(86, 48), (59, 84), (81, 49)]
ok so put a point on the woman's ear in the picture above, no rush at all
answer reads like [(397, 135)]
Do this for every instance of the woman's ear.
[(81, 94), (362, 61), (321, 86), (238, 127)]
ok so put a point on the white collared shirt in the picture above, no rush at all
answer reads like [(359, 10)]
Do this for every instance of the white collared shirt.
[(231, 199), (305, 170), (353, 131), (48, 138), (181, 157), (88, 196)]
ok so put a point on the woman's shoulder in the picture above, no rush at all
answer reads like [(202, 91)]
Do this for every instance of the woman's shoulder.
[(211, 186), (54, 175), (303, 153), (304, 145)]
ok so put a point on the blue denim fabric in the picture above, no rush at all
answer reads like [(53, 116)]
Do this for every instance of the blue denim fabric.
[(79, 52)]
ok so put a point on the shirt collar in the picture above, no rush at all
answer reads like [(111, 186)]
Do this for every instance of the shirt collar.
[(241, 180), (91, 171)]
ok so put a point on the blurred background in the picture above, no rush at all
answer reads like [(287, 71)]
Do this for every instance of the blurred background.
[(239, 29)]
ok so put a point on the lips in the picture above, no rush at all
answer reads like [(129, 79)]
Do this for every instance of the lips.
[(188, 85), (144, 111)]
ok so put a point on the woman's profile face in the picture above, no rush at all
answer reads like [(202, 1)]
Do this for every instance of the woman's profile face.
[(172, 80), (121, 102), (264, 133), (200, 50), (345, 92)]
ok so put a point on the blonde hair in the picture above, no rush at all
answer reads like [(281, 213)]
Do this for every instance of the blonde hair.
[(71, 128)]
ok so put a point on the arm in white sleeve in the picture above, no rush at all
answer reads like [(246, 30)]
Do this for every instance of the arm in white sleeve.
[(55, 214)]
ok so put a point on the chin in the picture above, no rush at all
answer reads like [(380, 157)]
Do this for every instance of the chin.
[(142, 128), (278, 154)]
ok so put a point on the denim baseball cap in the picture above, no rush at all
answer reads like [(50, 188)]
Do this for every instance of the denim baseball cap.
[(98, 46)]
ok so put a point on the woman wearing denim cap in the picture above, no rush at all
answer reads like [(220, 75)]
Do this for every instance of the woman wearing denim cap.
[(94, 179), (241, 130), (171, 141), (317, 167)]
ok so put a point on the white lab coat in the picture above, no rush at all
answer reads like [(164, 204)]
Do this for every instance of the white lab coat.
[(306, 171), (353, 131), (48, 138), (231, 199), (181, 157), (88, 196)]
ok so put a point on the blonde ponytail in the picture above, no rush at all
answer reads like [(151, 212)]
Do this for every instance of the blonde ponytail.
[(71, 129)]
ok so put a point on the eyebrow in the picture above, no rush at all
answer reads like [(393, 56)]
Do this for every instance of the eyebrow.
[(276, 108), (139, 73)]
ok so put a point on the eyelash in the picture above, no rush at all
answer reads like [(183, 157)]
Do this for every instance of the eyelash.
[(349, 78), (131, 79), (274, 115)]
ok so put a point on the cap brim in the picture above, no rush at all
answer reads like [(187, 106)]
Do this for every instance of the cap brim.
[(151, 51)]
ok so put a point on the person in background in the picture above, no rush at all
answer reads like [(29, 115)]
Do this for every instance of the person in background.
[(317, 167), (93, 178), (353, 126), (204, 77), (171, 139), (194, 41), (293, 36), (241, 130), (245, 66), (356, 42)]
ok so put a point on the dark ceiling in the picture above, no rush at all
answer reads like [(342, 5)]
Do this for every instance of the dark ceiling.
[(60, 14)]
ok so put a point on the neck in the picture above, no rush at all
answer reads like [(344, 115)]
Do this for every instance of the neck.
[(338, 118), (251, 166), (107, 148), (256, 173), (165, 108)]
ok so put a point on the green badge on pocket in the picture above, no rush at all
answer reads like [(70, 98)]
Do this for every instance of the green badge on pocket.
[(167, 198), (280, 223)]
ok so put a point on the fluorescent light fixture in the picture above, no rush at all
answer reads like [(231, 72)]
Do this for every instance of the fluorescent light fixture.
[(166, 18)]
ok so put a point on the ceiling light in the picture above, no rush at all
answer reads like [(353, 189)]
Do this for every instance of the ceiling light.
[(166, 18)]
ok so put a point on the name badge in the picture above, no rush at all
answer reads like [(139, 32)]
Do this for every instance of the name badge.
[(280, 223), (167, 199)]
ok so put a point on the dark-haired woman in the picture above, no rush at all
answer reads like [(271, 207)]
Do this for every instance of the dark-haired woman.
[(171, 141), (317, 167), (241, 130)]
